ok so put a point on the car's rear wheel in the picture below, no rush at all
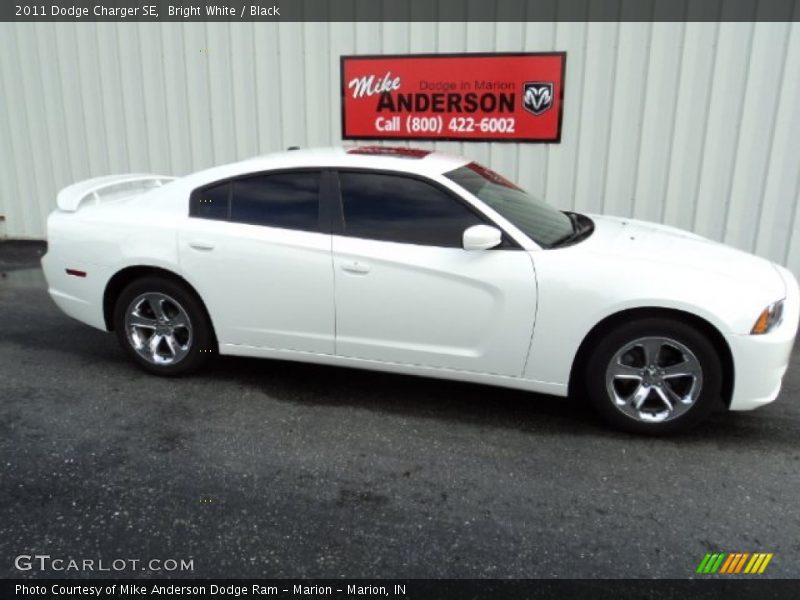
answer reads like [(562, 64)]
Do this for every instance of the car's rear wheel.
[(163, 326), (654, 376)]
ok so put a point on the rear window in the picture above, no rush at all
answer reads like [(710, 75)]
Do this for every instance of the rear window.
[(286, 200), (211, 202), (289, 200)]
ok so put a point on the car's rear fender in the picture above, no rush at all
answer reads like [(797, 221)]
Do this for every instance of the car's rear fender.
[(85, 251)]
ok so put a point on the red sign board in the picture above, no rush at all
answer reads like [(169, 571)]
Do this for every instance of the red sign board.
[(480, 97)]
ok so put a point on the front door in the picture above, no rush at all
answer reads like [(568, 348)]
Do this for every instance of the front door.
[(407, 292)]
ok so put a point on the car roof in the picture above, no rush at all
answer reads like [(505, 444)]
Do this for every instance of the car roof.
[(390, 158)]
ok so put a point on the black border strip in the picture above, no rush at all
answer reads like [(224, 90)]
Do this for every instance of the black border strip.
[(505, 140), (744, 588), (425, 10)]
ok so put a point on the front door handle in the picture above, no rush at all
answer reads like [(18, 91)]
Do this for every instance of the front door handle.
[(204, 246), (355, 267)]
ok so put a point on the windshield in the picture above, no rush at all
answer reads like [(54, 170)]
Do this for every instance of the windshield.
[(538, 220)]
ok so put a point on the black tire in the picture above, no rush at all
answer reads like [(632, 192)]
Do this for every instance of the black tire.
[(196, 342), (668, 335)]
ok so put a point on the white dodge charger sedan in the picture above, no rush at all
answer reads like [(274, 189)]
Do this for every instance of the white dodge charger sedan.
[(422, 263)]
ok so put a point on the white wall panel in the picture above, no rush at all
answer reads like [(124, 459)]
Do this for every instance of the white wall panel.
[(627, 108), (176, 98), (600, 71), (22, 210), (782, 195), (692, 124), (654, 146), (692, 107), (10, 204), (267, 118), (562, 163), (198, 96), (35, 124), (318, 81), (724, 120), (758, 122), (112, 110), (133, 133)]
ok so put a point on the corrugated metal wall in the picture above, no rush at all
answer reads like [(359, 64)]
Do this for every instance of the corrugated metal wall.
[(692, 124)]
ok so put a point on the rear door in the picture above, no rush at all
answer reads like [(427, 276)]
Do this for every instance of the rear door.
[(407, 292), (259, 254)]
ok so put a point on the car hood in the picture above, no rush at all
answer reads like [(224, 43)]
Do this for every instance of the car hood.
[(653, 244)]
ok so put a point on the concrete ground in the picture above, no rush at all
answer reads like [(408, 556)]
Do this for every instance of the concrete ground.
[(271, 469)]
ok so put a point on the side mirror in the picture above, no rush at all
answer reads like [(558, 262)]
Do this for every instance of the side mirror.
[(482, 237)]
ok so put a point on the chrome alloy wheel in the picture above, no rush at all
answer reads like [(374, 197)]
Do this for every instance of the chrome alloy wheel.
[(654, 379), (158, 328)]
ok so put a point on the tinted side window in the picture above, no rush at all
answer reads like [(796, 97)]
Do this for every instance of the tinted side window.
[(394, 208), (288, 200), (211, 202)]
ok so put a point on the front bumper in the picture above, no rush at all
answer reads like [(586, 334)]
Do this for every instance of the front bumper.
[(760, 361)]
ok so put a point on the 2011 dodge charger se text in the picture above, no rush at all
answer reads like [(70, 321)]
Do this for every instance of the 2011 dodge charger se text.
[(422, 263)]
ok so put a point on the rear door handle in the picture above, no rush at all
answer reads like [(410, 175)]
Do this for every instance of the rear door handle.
[(204, 246), (355, 267)]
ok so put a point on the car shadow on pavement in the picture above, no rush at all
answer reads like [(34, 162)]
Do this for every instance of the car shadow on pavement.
[(487, 406)]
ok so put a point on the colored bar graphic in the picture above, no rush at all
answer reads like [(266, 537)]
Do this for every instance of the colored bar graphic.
[(710, 563), (730, 564), (754, 563), (718, 564), (703, 563), (735, 559), (741, 562), (734, 562), (727, 564), (765, 563)]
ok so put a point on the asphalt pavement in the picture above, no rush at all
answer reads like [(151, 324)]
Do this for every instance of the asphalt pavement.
[(273, 469)]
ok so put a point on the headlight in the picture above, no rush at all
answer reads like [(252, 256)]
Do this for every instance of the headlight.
[(769, 318)]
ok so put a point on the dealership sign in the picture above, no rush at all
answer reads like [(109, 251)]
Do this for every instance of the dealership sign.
[(480, 97)]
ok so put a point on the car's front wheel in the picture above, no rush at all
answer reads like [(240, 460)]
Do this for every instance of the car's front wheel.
[(163, 326), (654, 376)]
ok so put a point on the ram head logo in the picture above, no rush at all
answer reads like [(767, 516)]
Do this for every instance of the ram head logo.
[(537, 96)]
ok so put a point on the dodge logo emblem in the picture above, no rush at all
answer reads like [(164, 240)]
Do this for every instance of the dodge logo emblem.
[(537, 96)]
